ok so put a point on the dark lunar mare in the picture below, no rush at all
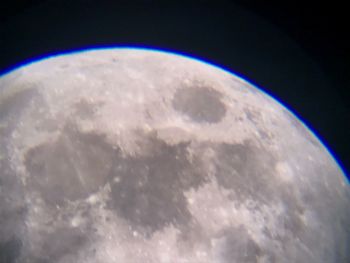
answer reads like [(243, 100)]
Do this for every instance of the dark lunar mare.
[(149, 193), (237, 246), (10, 250), (62, 242), (201, 104), (70, 168), (147, 187), (149, 190)]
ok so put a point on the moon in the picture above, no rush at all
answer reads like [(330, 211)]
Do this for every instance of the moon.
[(136, 155)]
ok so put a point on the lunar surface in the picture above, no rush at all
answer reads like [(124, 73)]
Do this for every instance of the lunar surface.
[(132, 155)]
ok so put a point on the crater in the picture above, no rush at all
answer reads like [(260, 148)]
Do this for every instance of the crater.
[(148, 190), (85, 109), (200, 104), (252, 115)]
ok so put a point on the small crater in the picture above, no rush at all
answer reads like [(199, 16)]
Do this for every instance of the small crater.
[(85, 110), (252, 115), (201, 104), (149, 192), (264, 135)]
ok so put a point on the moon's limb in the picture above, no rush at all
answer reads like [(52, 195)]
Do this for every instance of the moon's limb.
[(142, 156)]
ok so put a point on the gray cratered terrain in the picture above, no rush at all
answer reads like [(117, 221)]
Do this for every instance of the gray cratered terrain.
[(129, 155)]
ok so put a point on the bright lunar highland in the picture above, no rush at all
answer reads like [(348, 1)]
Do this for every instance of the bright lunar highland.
[(133, 155)]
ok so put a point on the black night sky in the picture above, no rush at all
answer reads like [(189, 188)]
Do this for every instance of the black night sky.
[(296, 51)]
